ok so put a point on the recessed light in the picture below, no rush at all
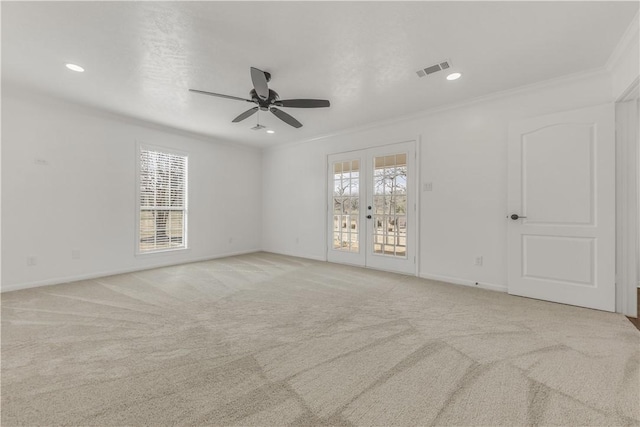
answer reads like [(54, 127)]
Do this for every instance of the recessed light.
[(271, 131), (74, 67), (454, 76)]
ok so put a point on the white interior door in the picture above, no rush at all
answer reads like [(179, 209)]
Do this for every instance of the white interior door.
[(561, 232), (372, 209)]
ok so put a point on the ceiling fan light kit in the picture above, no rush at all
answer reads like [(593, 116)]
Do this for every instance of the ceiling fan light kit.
[(268, 100)]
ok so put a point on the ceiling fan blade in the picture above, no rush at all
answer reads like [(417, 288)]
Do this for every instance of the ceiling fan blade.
[(285, 117), (246, 114), (303, 103), (220, 95), (259, 80)]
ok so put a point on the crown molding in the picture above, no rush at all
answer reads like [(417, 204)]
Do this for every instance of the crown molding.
[(494, 96), (632, 91), (628, 39)]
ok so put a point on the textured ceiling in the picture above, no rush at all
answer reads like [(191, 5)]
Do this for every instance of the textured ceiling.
[(141, 57)]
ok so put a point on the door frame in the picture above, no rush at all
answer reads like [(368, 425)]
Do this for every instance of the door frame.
[(627, 201), (415, 193)]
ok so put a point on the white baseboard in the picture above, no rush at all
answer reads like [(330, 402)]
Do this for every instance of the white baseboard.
[(89, 276), (465, 282), (295, 255)]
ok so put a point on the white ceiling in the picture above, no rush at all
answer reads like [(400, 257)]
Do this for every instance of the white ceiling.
[(142, 57)]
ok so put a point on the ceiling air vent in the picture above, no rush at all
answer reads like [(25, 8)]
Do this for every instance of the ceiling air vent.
[(433, 68)]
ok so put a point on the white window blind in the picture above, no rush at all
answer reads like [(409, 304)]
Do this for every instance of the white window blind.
[(162, 201)]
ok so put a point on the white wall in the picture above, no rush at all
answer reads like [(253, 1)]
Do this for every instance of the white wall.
[(464, 155), (85, 197)]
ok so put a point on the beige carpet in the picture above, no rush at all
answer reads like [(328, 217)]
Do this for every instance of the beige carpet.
[(265, 339)]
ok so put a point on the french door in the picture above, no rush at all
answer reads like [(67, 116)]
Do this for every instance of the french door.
[(372, 208)]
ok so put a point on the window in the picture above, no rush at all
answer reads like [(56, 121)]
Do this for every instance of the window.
[(162, 199)]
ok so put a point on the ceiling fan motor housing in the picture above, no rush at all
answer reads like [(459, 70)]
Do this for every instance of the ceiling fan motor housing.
[(264, 104)]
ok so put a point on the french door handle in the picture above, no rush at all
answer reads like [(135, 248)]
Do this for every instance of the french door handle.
[(368, 216), (516, 217)]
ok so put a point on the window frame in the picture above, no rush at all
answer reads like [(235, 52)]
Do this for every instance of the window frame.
[(140, 147)]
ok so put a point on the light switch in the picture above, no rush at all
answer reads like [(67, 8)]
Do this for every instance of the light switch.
[(427, 186)]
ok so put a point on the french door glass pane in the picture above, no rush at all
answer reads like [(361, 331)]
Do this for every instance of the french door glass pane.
[(389, 236), (346, 203)]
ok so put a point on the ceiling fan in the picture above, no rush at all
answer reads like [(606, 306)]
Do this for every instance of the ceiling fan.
[(267, 99)]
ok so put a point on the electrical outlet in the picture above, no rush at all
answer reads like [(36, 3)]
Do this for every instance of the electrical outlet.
[(75, 254), (297, 240), (31, 261), (230, 240), (478, 261)]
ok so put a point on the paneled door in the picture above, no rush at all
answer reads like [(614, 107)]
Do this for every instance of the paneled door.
[(372, 208), (561, 219)]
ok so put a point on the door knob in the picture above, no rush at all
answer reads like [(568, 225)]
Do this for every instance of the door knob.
[(516, 216), (368, 216), (369, 207)]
